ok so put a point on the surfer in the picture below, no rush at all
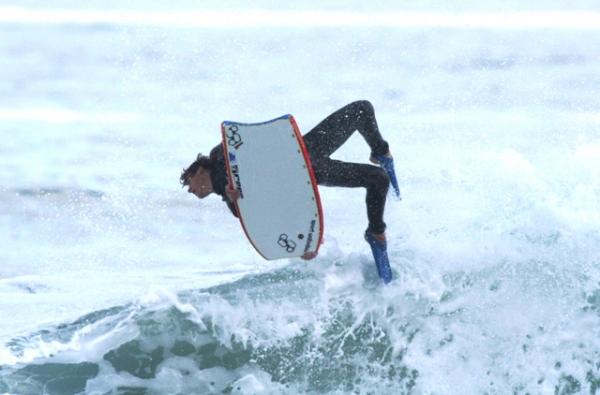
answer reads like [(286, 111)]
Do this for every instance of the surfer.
[(207, 174)]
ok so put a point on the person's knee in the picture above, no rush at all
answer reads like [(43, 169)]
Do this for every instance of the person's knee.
[(380, 179), (363, 106)]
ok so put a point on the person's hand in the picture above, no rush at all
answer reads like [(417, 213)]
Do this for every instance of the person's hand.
[(309, 255), (232, 193)]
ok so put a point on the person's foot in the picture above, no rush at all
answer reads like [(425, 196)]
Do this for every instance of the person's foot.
[(387, 163), (373, 158), (379, 248), (379, 237)]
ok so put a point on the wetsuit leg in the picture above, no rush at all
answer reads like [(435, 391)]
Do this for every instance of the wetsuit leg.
[(329, 135), (336, 173), (332, 132)]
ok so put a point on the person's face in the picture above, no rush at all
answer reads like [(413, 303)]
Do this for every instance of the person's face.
[(200, 183)]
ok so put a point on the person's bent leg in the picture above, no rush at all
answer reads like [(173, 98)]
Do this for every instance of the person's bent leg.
[(331, 133), (368, 127), (353, 175), (376, 197)]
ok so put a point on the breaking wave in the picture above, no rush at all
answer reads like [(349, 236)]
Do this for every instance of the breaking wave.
[(511, 327)]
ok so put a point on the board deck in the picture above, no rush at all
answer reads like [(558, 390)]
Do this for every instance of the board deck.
[(279, 206)]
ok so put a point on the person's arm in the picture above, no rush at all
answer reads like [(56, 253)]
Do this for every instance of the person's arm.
[(232, 196), (232, 208)]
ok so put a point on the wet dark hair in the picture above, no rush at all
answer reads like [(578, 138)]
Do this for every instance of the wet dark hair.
[(201, 161)]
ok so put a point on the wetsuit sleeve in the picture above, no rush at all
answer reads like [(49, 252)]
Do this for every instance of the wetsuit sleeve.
[(218, 176), (231, 207)]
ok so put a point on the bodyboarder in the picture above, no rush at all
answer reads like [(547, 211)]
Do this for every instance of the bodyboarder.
[(207, 174)]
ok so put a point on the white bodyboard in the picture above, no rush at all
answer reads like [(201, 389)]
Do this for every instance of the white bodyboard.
[(279, 205)]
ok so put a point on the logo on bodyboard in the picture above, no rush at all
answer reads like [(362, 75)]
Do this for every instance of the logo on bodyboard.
[(233, 137), (235, 172), (309, 239), (285, 242)]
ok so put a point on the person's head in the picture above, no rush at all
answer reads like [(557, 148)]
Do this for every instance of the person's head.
[(197, 177)]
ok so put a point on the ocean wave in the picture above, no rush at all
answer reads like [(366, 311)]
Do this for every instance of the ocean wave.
[(278, 331), (331, 330)]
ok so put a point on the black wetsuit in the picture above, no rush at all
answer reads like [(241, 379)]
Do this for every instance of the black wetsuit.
[(321, 142), (218, 175)]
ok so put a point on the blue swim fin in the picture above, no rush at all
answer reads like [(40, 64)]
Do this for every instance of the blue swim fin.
[(387, 163), (379, 249)]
